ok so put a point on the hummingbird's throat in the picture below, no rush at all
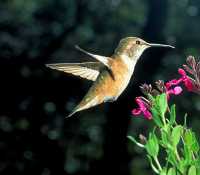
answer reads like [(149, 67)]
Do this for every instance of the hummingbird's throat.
[(131, 57), (135, 53), (128, 61)]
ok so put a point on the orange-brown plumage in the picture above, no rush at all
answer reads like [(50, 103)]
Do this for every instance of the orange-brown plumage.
[(106, 87)]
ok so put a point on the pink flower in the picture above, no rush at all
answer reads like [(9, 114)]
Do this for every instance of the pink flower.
[(173, 83), (143, 107), (186, 80), (176, 90), (171, 87)]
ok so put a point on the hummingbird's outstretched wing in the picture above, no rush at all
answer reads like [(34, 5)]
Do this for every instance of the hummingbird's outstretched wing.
[(104, 60), (88, 70)]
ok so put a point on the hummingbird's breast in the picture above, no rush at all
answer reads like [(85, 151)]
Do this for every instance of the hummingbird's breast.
[(109, 86), (123, 70)]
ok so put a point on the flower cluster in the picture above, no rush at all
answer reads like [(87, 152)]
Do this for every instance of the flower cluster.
[(172, 87), (143, 107)]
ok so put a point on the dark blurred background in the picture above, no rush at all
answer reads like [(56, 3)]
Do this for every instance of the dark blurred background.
[(35, 137)]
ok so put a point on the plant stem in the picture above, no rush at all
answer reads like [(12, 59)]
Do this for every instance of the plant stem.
[(177, 155), (158, 163), (163, 119)]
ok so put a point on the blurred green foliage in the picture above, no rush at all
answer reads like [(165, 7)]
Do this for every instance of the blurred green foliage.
[(35, 32)]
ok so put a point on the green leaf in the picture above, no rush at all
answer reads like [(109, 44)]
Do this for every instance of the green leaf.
[(159, 108), (188, 138), (165, 139), (182, 166), (192, 171), (152, 145), (176, 135), (187, 155), (171, 157), (163, 171), (198, 169), (172, 171), (156, 117), (191, 141), (172, 114), (197, 164), (162, 103), (195, 146)]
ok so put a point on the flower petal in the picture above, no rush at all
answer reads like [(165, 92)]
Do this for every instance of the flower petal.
[(181, 72), (173, 83), (188, 84), (187, 81), (142, 109), (177, 90), (140, 103), (147, 115), (136, 111)]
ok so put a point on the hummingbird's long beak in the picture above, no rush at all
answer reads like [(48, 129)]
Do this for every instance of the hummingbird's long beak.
[(160, 45)]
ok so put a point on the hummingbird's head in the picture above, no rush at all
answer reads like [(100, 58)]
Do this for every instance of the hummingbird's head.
[(133, 47)]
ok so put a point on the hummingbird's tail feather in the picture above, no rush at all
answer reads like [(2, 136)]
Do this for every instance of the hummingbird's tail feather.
[(84, 104), (72, 113)]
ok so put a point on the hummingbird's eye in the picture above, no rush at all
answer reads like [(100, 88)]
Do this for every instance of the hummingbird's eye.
[(137, 42)]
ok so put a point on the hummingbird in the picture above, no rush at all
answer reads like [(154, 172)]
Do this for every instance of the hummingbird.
[(111, 75)]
